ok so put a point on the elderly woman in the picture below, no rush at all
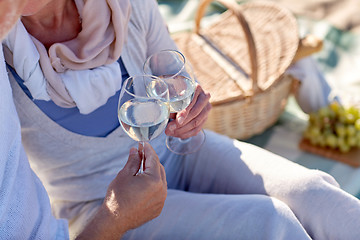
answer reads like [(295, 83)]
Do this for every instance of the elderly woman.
[(24, 203), (67, 60)]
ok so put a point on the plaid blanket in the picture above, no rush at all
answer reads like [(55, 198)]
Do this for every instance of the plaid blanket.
[(339, 60)]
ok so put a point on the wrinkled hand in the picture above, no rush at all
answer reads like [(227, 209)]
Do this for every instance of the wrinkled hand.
[(132, 199), (190, 121)]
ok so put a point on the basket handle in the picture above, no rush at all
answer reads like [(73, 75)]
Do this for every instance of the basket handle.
[(234, 8)]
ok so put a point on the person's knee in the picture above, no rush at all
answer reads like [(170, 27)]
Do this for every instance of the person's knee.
[(277, 221), (316, 180), (323, 177), (314, 187)]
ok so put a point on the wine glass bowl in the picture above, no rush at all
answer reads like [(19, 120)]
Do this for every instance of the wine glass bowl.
[(165, 64), (181, 90), (172, 67)]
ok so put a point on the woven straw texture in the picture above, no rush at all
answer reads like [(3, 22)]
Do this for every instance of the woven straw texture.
[(241, 60)]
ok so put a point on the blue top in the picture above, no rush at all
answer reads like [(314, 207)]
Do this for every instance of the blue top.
[(98, 123)]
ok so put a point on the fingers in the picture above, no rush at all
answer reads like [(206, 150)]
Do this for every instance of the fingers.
[(133, 163), (151, 158), (183, 115), (195, 121), (198, 104), (189, 122), (138, 197), (192, 128), (163, 175), (152, 162)]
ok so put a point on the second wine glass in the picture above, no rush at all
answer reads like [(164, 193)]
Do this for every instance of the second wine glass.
[(172, 67)]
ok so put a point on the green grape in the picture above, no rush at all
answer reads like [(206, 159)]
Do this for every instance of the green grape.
[(340, 129), (324, 112), (331, 141), (334, 126), (341, 141), (358, 139), (357, 124), (343, 146), (332, 114), (326, 131), (341, 115), (335, 106), (351, 141), (315, 120), (317, 140), (350, 130), (314, 131), (349, 118), (354, 111), (342, 118), (326, 122)]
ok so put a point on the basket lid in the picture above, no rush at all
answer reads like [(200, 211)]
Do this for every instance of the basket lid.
[(274, 31)]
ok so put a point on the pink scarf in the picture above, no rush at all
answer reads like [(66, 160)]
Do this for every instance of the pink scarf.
[(104, 31)]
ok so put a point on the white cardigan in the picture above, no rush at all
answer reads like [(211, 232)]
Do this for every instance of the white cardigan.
[(24, 205)]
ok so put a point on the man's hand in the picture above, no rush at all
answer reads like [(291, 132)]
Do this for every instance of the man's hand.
[(190, 121), (131, 199)]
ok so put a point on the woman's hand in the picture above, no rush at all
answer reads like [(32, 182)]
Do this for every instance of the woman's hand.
[(190, 121), (131, 199)]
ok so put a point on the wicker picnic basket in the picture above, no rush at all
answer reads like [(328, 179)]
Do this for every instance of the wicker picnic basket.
[(241, 60)]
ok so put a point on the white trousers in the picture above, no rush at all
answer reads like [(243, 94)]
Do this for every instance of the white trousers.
[(234, 190)]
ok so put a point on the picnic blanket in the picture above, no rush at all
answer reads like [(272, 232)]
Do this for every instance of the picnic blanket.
[(337, 23)]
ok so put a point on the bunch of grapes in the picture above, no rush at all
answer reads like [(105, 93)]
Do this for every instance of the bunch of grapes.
[(334, 126)]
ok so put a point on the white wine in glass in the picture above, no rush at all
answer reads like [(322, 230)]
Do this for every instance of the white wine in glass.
[(143, 109), (171, 66), (182, 92)]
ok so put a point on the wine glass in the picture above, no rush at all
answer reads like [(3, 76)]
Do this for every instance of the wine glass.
[(143, 109), (172, 67)]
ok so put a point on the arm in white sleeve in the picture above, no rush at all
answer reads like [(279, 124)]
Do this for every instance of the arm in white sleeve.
[(25, 211), (314, 92), (158, 37)]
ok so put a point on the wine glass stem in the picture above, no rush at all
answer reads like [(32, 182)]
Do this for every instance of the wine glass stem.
[(142, 163)]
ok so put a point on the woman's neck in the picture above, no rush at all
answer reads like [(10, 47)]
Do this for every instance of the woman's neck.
[(58, 21)]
